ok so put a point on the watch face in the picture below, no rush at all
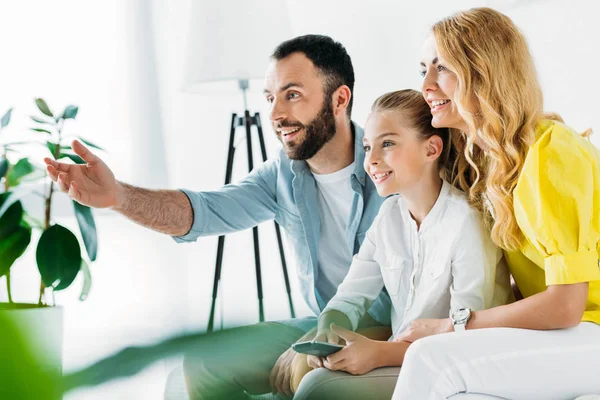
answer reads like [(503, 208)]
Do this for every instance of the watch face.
[(461, 314)]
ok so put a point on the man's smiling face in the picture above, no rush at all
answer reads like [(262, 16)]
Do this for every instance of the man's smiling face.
[(301, 111)]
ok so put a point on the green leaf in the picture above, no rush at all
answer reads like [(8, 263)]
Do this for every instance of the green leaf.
[(21, 169), (35, 175), (13, 247), (87, 226), (6, 118), (76, 159), (7, 199), (52, 147), (90, 144), (11, 219), (43, 106), (58, 257), (39, 120), (14, 237), (41, 130), (70, 112), (4, 164), (87, 280)]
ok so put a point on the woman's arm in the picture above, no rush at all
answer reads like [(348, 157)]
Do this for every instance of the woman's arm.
[(559, 306)]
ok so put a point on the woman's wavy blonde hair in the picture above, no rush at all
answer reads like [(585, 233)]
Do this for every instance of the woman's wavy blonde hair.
[(499, 97)]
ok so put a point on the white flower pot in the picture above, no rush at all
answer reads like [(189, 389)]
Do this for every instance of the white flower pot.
[(42, 327)]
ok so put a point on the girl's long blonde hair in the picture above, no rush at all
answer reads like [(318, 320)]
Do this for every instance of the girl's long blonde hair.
[(499, 97)]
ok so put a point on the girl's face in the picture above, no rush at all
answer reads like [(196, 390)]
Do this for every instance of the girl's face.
[(439, 87), (395, 156)]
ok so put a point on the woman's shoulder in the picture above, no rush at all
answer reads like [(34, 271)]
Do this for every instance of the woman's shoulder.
[(556, 137), (559, 150), (560, 159)]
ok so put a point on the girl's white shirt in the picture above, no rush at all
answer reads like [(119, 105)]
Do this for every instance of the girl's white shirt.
[(450, 262)]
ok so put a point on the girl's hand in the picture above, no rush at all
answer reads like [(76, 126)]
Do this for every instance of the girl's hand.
[(326, 336), (358, 357), (421, 328)]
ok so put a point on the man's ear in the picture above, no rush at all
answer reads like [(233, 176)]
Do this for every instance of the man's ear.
[(341, 99), (434, 148)]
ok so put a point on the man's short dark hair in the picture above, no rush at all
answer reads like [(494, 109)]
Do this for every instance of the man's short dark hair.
[(328, 56)]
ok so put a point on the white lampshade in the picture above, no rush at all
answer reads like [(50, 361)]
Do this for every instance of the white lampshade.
[(231, 40)]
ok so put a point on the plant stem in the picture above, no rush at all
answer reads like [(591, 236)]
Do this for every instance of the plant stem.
[(49, 201), (42, 288), (10, 300), (8, 289)]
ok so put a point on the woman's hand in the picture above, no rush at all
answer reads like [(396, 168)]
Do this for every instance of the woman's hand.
[(360, 355), (421, 328)]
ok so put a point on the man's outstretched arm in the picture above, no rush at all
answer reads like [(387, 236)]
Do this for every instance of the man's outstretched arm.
[(94, 185), (165, 211)]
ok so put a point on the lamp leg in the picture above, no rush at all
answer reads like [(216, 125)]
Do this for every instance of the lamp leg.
[(221, 243), (286, 278), (261, 314)]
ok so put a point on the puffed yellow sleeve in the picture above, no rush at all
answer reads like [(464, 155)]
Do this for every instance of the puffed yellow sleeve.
[(557, 204)]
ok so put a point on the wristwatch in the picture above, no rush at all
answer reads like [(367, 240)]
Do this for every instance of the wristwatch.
[(460, 318)]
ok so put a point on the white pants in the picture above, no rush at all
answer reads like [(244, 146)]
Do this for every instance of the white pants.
[(507, 363)]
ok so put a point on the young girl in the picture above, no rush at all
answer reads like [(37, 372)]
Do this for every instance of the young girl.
[(428, 247), (538, 183)]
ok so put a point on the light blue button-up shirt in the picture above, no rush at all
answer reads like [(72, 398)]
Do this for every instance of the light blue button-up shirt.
[(285, 190)]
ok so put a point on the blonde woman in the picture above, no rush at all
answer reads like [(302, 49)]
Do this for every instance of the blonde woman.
[(538, 184)]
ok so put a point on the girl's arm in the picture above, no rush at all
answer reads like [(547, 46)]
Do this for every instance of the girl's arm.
[(391, 354), (480, 278), (361, 286), (363, 354)]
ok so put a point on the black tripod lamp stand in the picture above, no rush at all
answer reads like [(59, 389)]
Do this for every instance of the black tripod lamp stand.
[(232, 45), (247, 122)]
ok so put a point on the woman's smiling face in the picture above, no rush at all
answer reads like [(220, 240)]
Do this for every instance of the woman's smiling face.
[(439, 87)]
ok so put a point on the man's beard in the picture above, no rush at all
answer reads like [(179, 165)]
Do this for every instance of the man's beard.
[(317, 132)]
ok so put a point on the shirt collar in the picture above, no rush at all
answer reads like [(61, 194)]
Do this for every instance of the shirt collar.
[(433, 215)]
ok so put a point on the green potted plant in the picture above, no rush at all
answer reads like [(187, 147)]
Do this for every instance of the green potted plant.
[(59, 256)]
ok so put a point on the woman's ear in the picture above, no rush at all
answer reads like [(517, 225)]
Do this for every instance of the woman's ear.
[(434, 148)]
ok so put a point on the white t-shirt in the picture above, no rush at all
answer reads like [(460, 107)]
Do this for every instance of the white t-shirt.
[(334, 199)]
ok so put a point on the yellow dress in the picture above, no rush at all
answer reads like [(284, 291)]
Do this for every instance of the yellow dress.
[(557, 207)]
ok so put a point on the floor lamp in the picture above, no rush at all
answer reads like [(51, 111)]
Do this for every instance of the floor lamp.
[(230, 42)]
